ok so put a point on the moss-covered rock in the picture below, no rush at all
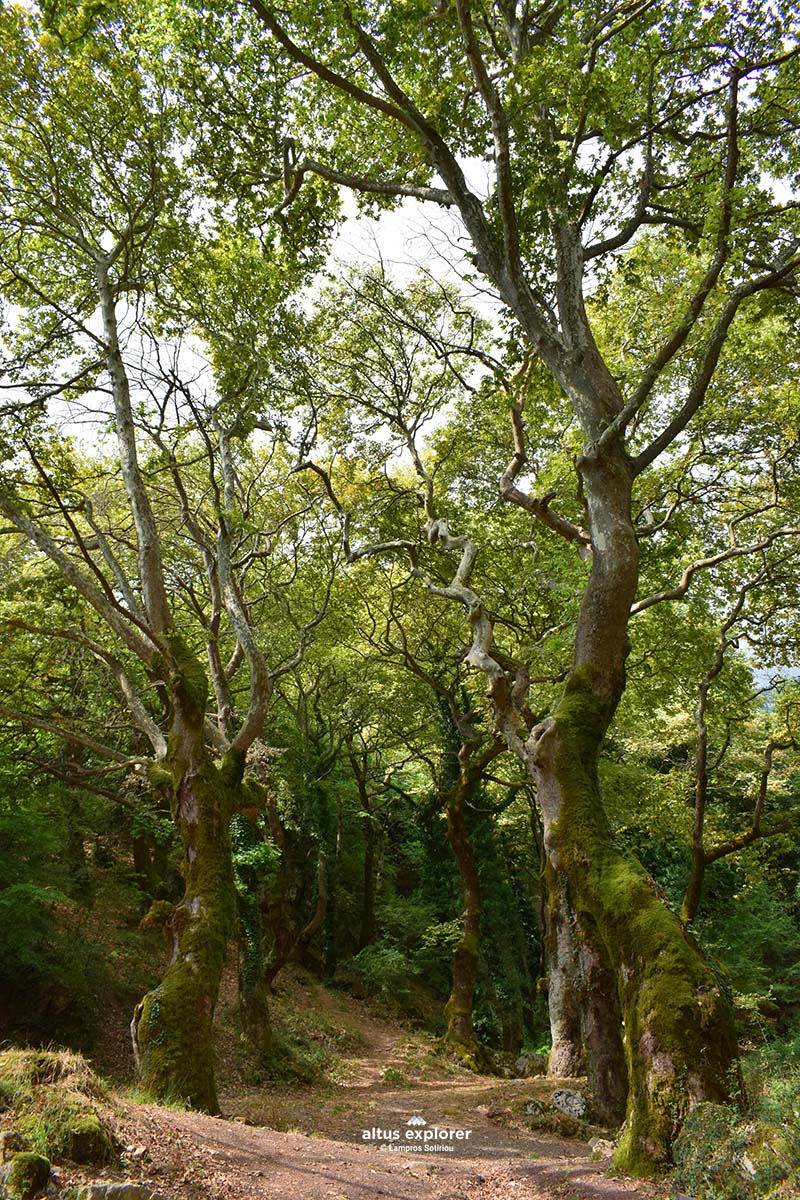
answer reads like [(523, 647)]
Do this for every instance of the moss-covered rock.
[(473, 1056), (67, 1127), (57, 1105), (86, 1140), (26, 1175)]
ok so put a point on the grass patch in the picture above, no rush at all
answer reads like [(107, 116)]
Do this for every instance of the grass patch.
[(308, 1046), (54, 1098)]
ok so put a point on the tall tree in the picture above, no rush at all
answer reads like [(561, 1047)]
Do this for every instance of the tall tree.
[(94, 225), (597, 121)]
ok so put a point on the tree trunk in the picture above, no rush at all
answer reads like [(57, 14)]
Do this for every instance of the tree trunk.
[(679, 1037), (172, 1026), (601, 1026), (694, 886), (254, 1010), (567, 1057), (80, 876), (585, 1021), (250, 891), (460, 1035), (679, 1033), (330, 946), (513, 1026), (368, 931)]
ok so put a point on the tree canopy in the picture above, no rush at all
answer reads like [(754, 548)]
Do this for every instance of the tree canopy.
[(326, 564)]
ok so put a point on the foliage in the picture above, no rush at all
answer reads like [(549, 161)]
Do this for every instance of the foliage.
[(242, 482), (723, 1154), (384, 971)]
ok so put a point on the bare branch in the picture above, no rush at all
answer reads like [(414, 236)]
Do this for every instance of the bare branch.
[(146, 648), (363, 183), (680, 589), (70, 735), (539, 506)]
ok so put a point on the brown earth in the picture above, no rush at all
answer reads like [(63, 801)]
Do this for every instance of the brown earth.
[(293, 1141)]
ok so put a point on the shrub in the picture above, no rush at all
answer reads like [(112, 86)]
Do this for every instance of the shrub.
[(382, 971)]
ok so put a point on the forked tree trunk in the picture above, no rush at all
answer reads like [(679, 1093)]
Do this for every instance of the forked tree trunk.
[(679, 1034)]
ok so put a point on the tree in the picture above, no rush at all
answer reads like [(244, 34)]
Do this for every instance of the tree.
[(160, 541), (598, 122)]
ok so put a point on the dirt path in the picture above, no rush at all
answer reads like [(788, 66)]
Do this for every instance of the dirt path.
[(301, 1143), (224, 1160)]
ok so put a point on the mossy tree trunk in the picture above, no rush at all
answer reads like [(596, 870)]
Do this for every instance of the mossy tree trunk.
[(679, 1033), (172, 1027), (250, 891), (460, 1034)]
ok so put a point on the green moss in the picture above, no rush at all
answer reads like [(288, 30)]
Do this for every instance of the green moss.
[(158, 776), (86, 1141), (26, 1176), (471, 1055), (253, 794), (633, 1157), (62, 1126), (157, 915), (189, 678), (231, 770), (679, 1027), (174, 1036), (174, 1032)]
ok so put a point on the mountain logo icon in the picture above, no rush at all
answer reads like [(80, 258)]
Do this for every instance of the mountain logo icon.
[(416, 1121)]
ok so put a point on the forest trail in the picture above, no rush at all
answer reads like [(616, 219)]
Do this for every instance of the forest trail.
[(197, 1156), (301, 1142)]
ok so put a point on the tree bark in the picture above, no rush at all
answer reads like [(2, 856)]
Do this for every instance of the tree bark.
[(567, 1058), (585, 1019), (680, 1041), (250, 890), (172, 1026), (368, 931), (694, 886)]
